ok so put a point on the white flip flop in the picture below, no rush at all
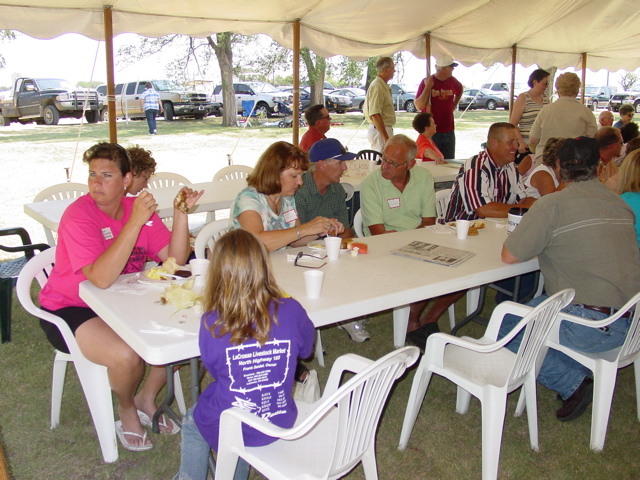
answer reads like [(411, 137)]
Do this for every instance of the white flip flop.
[(143, 447), (146, 422)]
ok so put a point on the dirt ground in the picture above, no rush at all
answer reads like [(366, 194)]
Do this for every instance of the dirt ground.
[(30, 167)]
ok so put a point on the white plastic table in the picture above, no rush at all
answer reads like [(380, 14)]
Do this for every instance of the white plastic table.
[(353, 286)]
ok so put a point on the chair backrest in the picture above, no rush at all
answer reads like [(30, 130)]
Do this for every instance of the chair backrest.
[(232, 172), (537, 325), (247, 106), (360, 402), (167, 179), (442, 202), (357, 224), (39, 268), (62, 191), (208, 236), (373, 155), (349, 190)]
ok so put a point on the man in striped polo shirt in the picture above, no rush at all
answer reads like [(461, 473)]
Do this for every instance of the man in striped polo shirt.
[(489, 184)]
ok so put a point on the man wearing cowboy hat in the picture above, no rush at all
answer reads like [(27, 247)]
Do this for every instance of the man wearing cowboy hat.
[(439, 94)]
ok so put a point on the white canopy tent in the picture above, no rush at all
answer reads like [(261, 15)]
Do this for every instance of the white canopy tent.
[(567, 33), (472, 31)]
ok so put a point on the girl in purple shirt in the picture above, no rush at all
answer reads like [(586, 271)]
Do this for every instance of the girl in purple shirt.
[(251, 336)]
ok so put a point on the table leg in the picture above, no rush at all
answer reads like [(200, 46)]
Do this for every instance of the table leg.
[(319, 351), (400, 322), (165, 406)]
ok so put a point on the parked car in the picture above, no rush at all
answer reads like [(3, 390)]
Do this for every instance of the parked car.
[(632, 98), (265, 95), (595, 97), (506, 87), (481, 98), (332, 101), (403, 99), (357, 96)]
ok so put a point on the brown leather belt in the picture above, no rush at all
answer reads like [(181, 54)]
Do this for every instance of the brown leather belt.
[(606, 310)]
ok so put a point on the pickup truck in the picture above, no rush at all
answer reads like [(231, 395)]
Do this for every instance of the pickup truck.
[(621, 98), (595, 97), (46, 100), (176, 102)]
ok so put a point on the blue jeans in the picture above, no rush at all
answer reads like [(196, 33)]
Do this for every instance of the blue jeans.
[(151, 118), (194, 456), (446, 143), (560, 372)]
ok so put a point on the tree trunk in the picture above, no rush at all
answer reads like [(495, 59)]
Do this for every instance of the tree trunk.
[(371, 71), (316, 74), (224, 54)]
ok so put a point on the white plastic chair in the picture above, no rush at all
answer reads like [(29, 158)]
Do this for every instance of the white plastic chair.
[(331, 436), (487, 370), (357, 224), (209, 235), (93, 378), (231, 172), (349, 190), (60, 191), (167, 179), (604, 366)]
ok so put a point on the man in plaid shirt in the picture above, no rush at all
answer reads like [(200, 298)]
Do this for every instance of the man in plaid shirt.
[(150, 102)]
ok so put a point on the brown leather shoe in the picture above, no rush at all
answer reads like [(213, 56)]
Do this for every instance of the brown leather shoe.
[(576, 404)]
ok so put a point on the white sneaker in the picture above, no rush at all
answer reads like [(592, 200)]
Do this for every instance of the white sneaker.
[(356, 330)]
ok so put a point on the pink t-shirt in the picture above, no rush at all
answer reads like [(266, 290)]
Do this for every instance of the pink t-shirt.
[(84, 234)]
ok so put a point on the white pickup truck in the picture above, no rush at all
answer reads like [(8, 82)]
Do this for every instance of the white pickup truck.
[(264, 95)]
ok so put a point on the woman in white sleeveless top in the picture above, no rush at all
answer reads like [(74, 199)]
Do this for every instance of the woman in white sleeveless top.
[(526, 109)]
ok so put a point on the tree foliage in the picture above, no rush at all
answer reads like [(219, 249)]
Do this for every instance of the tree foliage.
[(316, 69), (93, 84), (628, 80), (5, 35)]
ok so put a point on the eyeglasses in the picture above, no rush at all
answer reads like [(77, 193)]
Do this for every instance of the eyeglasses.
[(629, 115), (301, 255), (323, 118), (392, 163)]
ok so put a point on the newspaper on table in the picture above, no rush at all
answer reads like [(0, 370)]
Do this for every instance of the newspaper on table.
[(430, 252)]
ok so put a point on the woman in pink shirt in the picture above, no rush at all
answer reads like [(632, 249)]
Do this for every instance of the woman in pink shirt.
[(425, 125), (101, 235)]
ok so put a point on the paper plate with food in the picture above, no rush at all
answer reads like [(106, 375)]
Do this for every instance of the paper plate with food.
[(319, 246), (169, 272)]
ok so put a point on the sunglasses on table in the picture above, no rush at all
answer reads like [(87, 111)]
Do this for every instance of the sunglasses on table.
[(305, 257)]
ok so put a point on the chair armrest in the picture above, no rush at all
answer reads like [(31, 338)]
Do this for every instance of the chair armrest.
[(349, 362), (498, 314), (27, 249), (24, 235), (438, 341)]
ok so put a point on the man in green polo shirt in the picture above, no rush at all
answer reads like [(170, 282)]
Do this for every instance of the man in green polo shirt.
[(398, 197)]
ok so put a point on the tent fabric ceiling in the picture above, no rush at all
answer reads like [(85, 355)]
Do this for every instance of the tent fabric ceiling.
[(546, 32)]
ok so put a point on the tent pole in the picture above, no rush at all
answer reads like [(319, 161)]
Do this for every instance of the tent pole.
[(584, 76), (427, 52), (296, 81), (514, 55), (111, 97)]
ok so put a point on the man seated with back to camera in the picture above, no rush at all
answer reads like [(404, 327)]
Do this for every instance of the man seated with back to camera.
[(568, 231)]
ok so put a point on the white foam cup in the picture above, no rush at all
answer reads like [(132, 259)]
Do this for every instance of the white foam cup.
[(333, 247), (462, 228), (313, 282), (199, 267)]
